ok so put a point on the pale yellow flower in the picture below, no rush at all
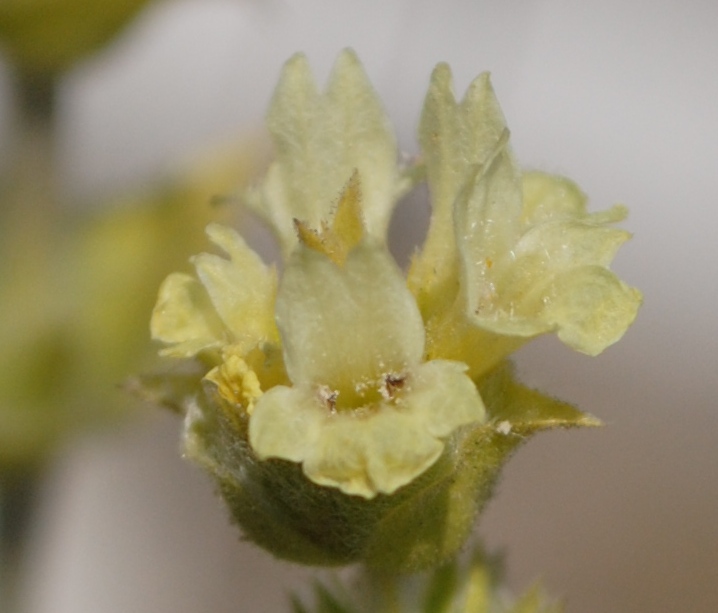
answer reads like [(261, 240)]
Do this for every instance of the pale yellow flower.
[(364, 413), (347, 412), (508, 256)]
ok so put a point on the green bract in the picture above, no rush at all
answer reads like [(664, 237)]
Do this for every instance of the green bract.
[(350, 414)]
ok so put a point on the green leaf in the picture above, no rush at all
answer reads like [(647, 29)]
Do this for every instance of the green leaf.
[(440, 588), (327, 603), (534, 601), (515, 409), (169, 389)]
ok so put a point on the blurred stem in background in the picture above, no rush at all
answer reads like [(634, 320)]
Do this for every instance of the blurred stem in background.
[(27, 220), (18, 492)]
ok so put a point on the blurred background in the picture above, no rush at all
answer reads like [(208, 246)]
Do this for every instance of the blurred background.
[(619, 96)]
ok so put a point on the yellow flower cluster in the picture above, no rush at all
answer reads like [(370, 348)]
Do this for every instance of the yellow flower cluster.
[(344, 384)]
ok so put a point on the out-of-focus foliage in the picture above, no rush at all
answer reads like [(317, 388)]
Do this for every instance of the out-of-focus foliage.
[(76, 292), (48, 36), (471, 586)]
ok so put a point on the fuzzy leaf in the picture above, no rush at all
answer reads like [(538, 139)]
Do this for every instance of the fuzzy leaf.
[(515, 409)]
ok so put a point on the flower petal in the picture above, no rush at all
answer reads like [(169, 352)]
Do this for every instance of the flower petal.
[(590, 308), (486, 226), (368, 455), (361, 454), (286, 423), (347, 326), (566, 244), (185, 317), (548, 197), (385, 450), (457, 137), (513, 286), (376, 450), (547, 250), (459, 142), (242, 289), (338, 237), (443, 396), (487, 215)]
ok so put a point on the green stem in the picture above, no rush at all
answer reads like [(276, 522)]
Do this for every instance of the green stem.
[(36, 93), (17, 503), (28, 216), (29, 190)]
